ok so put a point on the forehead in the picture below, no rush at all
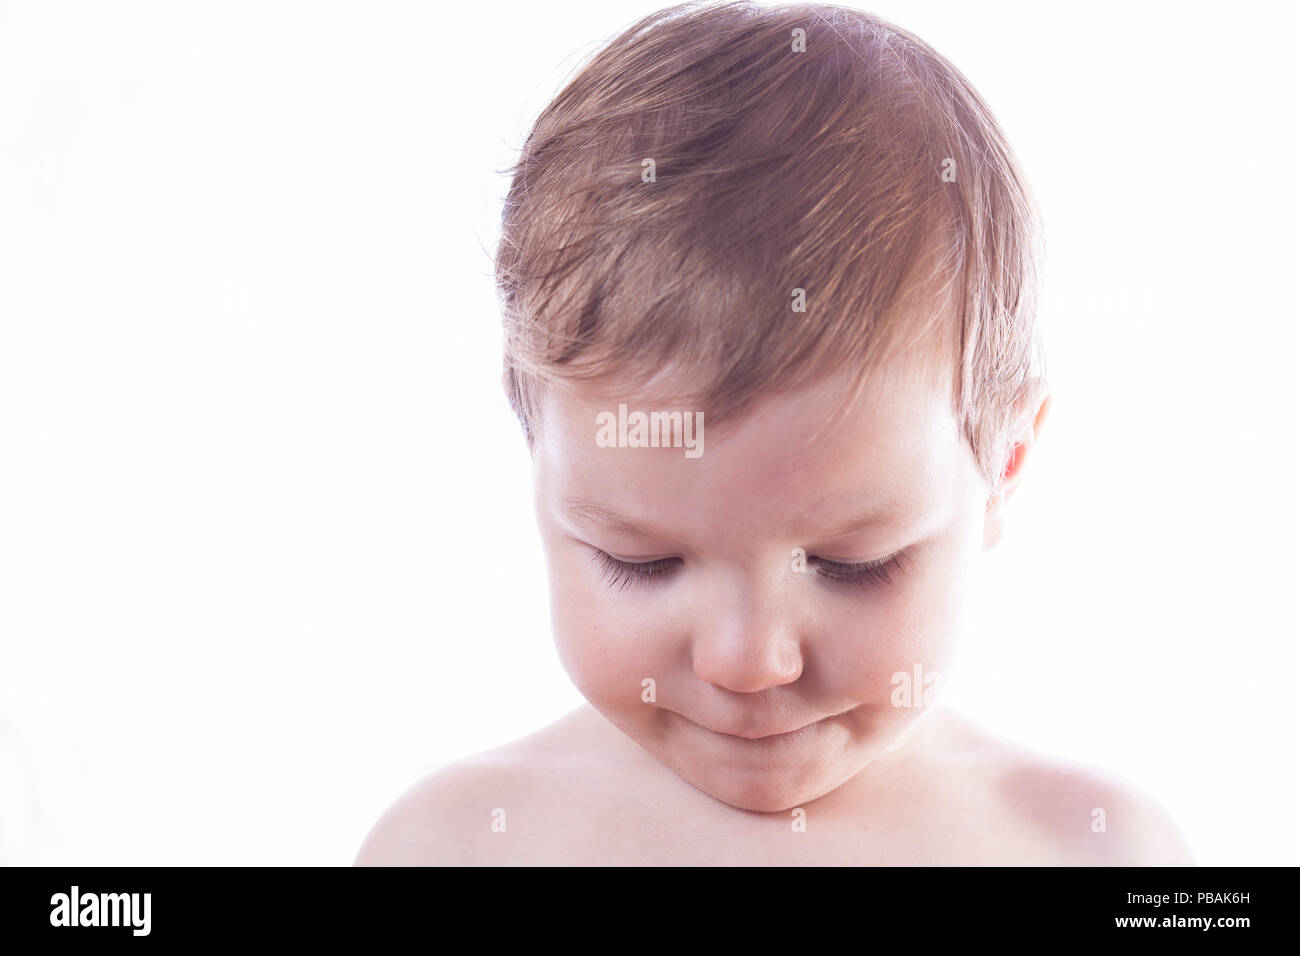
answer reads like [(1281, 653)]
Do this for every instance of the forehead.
[(792, 463)]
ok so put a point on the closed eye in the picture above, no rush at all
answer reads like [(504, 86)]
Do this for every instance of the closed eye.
[(619, 574), (864, 573)]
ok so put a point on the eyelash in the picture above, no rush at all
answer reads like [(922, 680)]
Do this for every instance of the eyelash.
[(865, 574), (619, 574)]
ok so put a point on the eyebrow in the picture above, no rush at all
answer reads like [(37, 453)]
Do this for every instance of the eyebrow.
[(599, 514), (887, 513)]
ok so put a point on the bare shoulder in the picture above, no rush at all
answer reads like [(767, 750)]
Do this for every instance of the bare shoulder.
[(504, 806), (1078, 813), (437, 821)]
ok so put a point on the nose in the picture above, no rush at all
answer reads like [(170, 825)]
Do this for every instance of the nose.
[(750, 639)]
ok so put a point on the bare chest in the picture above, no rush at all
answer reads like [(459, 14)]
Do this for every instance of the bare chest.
[(628, 829)]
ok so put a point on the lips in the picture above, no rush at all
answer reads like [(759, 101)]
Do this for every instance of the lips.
[(751, 734)]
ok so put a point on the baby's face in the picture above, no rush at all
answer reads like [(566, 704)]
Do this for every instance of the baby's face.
[(775, 679)]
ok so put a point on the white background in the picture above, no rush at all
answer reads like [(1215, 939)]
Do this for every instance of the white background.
[(267, 552)]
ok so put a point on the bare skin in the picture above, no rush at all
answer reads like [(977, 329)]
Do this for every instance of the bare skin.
[(741, 624), (579, 792)]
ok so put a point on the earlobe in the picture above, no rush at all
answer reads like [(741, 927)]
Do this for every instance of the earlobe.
[(1041, 403), (993, 519), (992, 529)]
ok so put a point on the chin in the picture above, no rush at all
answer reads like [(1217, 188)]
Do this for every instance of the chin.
[(772, 791)]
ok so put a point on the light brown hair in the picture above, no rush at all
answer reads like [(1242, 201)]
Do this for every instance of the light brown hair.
[(774, 169)]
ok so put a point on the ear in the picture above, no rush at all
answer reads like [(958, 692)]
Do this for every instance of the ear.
[(1040, 402)]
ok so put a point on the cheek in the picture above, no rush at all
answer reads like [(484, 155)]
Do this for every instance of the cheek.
[(607, 640), (929, 617), (864, 641)]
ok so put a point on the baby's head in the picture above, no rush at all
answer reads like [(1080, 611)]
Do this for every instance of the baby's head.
[(801, 230)]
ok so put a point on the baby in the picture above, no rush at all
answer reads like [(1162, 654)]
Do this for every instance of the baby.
[(769, 282)]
